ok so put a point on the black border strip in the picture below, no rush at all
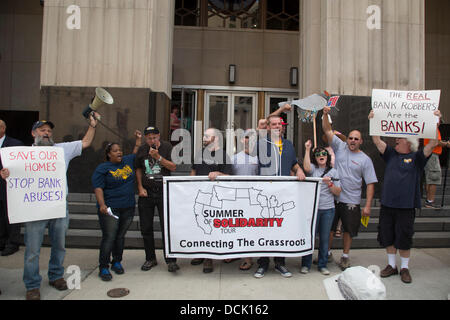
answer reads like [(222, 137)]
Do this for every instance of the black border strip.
[(236, 253)]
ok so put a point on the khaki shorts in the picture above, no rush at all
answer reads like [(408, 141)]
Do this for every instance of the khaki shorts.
[(433, 170)]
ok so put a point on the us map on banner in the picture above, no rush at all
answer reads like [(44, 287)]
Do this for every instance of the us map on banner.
[(239, 216), (36, 187)]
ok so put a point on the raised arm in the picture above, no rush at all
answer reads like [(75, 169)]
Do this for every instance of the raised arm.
[(90, 133), (138, 136), (307, 157), (380, 144), (280, 110), (326, 125)]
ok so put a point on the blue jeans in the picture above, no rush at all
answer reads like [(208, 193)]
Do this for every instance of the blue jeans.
[(323, 227), (114, 230), (34, 235)]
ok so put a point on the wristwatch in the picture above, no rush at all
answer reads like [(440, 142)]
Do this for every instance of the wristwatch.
[(160, 158)]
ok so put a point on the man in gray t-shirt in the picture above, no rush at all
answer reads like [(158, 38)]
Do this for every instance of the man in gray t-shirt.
[(245, 163), (42, 132), (353, 166)]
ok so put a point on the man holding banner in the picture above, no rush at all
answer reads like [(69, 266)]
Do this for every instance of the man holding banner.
[(214, 162), (42, 132), (276, 157), (404, 167)]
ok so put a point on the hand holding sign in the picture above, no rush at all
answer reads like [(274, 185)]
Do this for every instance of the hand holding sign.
[(4, 173)]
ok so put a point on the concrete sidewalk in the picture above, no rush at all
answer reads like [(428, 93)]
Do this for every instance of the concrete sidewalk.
[(430, 270)]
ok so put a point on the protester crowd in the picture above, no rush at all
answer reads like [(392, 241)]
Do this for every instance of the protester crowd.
[(341, 164)]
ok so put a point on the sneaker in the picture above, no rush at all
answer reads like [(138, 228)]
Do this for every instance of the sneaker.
[(344, 263), (430, 205), (324, 271), (117, 268), (388, 271), (104, 274), (260, 272), (283, 270), (405, 276), (172, 267), (148, 265), (304, 270)]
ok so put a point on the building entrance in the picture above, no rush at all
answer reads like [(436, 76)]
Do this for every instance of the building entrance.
[(228, 112)]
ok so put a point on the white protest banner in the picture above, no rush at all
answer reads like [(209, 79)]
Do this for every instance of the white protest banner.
[(238, 216), (404, 113), (36, 187)]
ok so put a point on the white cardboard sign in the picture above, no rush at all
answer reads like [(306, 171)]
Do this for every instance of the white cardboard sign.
[(403, 114), (36, 187)]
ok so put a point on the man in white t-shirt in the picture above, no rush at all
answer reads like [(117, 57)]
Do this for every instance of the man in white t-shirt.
[(353, 166), (42, 132), (245, 163)]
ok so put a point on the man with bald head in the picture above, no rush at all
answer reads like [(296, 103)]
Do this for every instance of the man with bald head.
[(213, 162), (9, 233), (353, 166)]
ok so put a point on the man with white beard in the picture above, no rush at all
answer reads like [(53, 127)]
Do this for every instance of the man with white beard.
[(42, 131)]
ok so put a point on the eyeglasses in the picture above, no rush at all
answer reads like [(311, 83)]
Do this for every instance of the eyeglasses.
[(321, 154), (353, 138)]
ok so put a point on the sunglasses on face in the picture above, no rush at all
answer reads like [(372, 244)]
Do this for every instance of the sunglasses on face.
[(321, 154), (353, 138)]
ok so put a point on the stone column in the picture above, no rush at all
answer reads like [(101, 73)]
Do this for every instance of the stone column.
[(125, 44), (342, 55)]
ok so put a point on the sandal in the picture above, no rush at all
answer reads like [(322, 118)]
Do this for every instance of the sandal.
[(230, 260), (246, 266)]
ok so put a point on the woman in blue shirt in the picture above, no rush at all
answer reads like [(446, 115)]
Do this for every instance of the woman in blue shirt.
[(113, 182)]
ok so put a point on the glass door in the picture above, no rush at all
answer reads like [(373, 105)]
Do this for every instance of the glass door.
[(229, 112)]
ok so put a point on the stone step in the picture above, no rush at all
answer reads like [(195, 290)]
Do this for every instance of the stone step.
[(80, 209), (91, 208), (85, 199), (90, 222)]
